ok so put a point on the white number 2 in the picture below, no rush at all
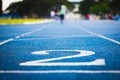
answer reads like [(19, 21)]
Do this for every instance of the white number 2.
[(46, 62)]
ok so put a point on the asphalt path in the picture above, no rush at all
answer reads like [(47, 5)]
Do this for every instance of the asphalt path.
[(74, 50)]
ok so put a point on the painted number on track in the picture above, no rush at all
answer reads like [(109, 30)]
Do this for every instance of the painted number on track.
[(46, 62)]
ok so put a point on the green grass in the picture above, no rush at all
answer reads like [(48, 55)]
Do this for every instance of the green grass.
[(19, 21)]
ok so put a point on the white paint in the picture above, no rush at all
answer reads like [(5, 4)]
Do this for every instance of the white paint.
[(60, 71), (44, 62), (97, 62), (22, 35), (55, 37), (40, 52), (38, 22), (17, 37), (98, 35), (69, 35), (81, 52), (3, 42), (25, 34)]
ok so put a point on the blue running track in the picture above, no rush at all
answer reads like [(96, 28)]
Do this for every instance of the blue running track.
[(74, 50)]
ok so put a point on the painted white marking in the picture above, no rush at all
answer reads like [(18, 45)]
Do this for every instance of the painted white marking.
[(25, 34), (35, 30), (101, 36), (55, 37), (22, 35), (74, 35), (39, 22), (3, 42), (60, 71), (40, 52), (82, 53), (97, 62), (17, 37)]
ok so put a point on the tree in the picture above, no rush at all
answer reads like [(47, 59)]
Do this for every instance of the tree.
[(40, 8), (115, 6), (1, 7), (95, 6), (85, 6), (100, 8)]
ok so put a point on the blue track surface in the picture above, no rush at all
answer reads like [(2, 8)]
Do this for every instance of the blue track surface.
[(18, 42)]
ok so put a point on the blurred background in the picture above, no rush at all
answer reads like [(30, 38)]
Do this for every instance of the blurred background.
[(77, 9)]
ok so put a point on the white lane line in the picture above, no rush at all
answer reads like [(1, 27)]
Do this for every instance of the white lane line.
[(22, 35), (101, 36), (69, 35), (56, 37), (17, 37), (60, 71), (6, 41)]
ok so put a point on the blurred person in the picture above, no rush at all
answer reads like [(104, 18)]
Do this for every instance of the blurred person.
[(52, 14), (87, 16), (116, 17), (63, 10), (109, 16)]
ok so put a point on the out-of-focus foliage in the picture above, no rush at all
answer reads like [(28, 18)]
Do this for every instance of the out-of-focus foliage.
[(115, 6), (85, 6), (39, 8), (0, 7), (99, 6)]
